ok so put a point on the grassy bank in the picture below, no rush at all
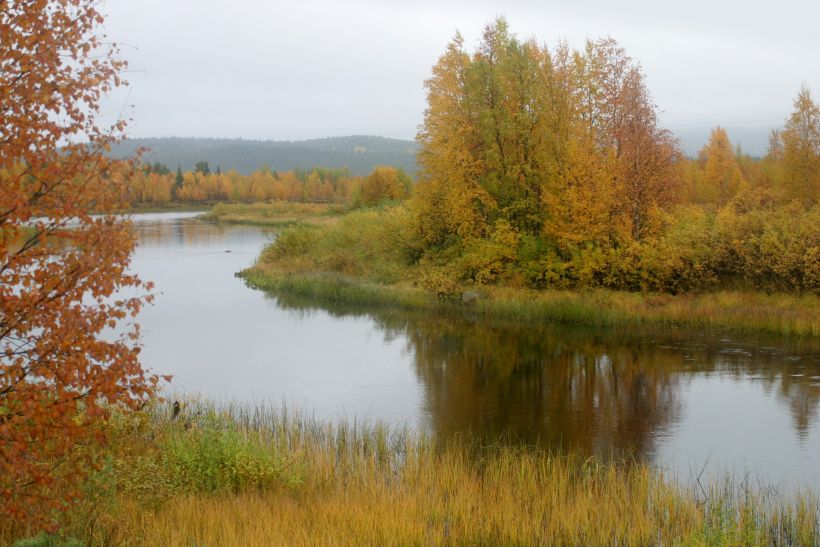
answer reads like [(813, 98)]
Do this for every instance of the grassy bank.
[(361, 259), (252, 476), (276, 213), (747, 312)]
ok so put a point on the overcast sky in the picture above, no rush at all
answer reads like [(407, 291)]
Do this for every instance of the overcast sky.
[(310, 68)]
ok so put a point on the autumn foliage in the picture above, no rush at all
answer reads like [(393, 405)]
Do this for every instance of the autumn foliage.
[(68, 349), (543, 140), (151, 187), (383, 184), (548, 167)]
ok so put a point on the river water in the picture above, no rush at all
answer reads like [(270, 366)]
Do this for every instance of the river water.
[(682, 400)]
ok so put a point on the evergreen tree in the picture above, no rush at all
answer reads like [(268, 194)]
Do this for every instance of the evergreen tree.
[(159, 168)]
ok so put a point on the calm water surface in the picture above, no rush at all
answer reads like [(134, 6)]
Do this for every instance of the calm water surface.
[(679, 399)]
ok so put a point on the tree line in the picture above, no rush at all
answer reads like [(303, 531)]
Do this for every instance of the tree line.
[(156, 185)]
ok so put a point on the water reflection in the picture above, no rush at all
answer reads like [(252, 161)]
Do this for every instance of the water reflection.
[(672, 397), (600, 391), (545, 385), (182, 230)]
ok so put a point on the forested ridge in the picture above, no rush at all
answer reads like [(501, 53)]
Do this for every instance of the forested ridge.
[(359, 154)]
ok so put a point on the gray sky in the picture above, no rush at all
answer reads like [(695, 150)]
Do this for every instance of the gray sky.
[(314, 68)]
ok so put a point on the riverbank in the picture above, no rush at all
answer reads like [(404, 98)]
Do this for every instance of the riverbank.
[(275, 214), (361, 258), (735, 311), (256, 476)]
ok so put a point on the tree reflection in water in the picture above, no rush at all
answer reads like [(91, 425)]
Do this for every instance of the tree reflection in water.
[(598, 391)]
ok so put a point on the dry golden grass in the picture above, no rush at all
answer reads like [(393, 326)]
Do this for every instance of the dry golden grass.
[(210, 483), (529, 504), (787, 314)]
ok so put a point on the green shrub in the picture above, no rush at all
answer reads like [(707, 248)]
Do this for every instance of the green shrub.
[(206, 452), (47, 540), (218, 458), (291, 242)]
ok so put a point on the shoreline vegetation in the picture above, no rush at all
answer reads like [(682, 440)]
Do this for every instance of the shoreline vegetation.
[(354, 258), (238, 475), (547, 190), (735, 311), (166, 208), (169, 208)]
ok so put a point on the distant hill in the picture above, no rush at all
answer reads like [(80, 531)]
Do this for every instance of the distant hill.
[(358, 153)]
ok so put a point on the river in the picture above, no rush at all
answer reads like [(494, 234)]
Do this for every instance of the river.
[(682, 400)]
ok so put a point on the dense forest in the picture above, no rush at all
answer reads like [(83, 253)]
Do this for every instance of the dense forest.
[(548, 168), (359, 154)]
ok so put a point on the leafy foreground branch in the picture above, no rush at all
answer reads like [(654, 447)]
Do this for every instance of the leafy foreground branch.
[(256, 476)]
